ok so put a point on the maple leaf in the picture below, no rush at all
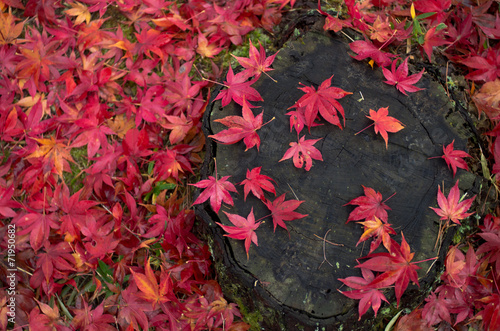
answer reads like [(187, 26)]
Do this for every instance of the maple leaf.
[(179, 125), (383, 123), (323, 100), (368, 296), (282, 210), (256, 182), (396, 266), (436, 309), (381, 30), (149, 287), (333, 23), (80, 11), (244, 228), (9, 30), (54, 263), (432, 39), (238, 89), (132, 309), (256, 63), (487, 66), (366, 49), (454, 158), (207, 48), (369, 206), (37, 225), (7, 203), (490, 315), (491, 246), (92, 319), (54, 152), (450, 208), (374, 227), (241, 128), (215, 189), (488, 99), (303, 151), (399, 77)]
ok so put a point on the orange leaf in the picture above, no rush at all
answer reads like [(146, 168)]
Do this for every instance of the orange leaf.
[(149, 287), (55, 152), (9, 31), (80, 11), (384, 123)]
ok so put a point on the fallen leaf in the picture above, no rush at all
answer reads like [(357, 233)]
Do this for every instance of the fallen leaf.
[(238, 89), (368, 296), (369, 206), (384, 123), (215, 189), (324, 101), (303, 151), (451, 208), (240, 128), (454, 158), (244, 228), (282, 210), (256, 183), (399, 77)]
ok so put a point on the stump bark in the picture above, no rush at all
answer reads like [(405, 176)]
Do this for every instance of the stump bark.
[(286, 277)]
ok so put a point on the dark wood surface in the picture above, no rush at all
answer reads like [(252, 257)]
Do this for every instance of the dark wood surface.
[(285, 267)]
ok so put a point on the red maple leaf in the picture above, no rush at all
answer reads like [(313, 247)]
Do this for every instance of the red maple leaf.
[(132, 309), (383, 123), (92, 319), (238, 89), (368, 295), (432, 39), (436, 309), (298, 119), (396, 266), (256, 63), (490, 315), (370, 205), (454, 158), (6, 201), (399, 77), (256, 182), (240, 128), (451, 208), (366, 49), (244, 228), (487, 66), (215, 189), (37, 225), (323, 100), (282, 210), (303, 151), (55, 263)]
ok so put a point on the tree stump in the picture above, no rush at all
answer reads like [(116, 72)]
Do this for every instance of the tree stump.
[(286, 277)]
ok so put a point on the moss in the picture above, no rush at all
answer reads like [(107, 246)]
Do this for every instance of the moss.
[(74, 180)]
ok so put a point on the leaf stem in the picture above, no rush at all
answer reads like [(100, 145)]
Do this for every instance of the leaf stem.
[(364, 129)]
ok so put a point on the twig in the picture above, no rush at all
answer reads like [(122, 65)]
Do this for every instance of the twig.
[(292, 191), (324, 248)]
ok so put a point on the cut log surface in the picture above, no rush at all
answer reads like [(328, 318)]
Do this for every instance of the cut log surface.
[(298, 270)]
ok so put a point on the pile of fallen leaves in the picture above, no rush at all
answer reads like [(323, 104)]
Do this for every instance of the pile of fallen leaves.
[(100, 109)]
